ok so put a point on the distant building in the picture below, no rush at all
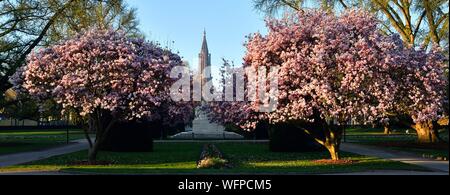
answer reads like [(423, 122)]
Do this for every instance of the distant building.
[(204, 65)]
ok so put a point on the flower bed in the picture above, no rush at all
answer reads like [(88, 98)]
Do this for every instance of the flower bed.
[(212, 157)]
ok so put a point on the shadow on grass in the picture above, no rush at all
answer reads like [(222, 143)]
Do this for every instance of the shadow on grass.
[(180, 158)]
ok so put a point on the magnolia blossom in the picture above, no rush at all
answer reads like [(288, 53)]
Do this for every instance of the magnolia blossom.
[(233, 112), (341, 67), (17, 80), (105, 70), (420, 76)]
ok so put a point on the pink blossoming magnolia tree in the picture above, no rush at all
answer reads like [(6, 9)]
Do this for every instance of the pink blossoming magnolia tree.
[(105, 77), (333, 69), (420, 99), (328, 66), (237, 112)]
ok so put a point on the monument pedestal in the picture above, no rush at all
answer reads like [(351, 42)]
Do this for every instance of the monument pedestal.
[(203, 129), (207, 136)]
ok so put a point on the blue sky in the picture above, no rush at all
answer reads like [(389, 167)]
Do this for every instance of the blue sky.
[(179, 24)]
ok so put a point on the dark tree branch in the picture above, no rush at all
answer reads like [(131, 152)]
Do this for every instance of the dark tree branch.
[(43, 33)]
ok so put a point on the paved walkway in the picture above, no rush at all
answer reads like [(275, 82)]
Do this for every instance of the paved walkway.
[(391, 172), (405, 157), (19, 158)]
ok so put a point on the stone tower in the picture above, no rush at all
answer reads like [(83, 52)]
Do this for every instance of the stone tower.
[(204, 65)]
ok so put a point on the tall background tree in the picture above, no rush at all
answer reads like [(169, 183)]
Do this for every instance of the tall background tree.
[(418, 22), (273, 7)]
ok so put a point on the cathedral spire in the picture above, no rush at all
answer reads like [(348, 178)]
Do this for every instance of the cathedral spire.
[(204, 44), (204, 62)]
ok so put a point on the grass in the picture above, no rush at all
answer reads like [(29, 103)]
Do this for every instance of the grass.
[(257, 156), (247, 158), (15, 141), (375, 131), (7, 122), (380, 138), (399, 141)]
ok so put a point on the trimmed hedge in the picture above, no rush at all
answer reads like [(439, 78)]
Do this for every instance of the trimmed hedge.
[(260, 133), (129, 137), (288, 138)]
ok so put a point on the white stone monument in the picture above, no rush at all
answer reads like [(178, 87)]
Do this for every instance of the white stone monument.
[(202, 128)]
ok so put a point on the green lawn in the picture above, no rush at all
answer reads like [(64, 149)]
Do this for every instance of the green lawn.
[(375, 131), (9, 122), (182, 157), (31, 140), (399, 140), (380, 138)]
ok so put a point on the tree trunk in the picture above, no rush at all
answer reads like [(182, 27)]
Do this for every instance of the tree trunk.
[(425, 132), (330, 138), (333, 141), (92, 155), (87, 136), (326, 134), (387, 130), (101, 133), (333, 149)]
